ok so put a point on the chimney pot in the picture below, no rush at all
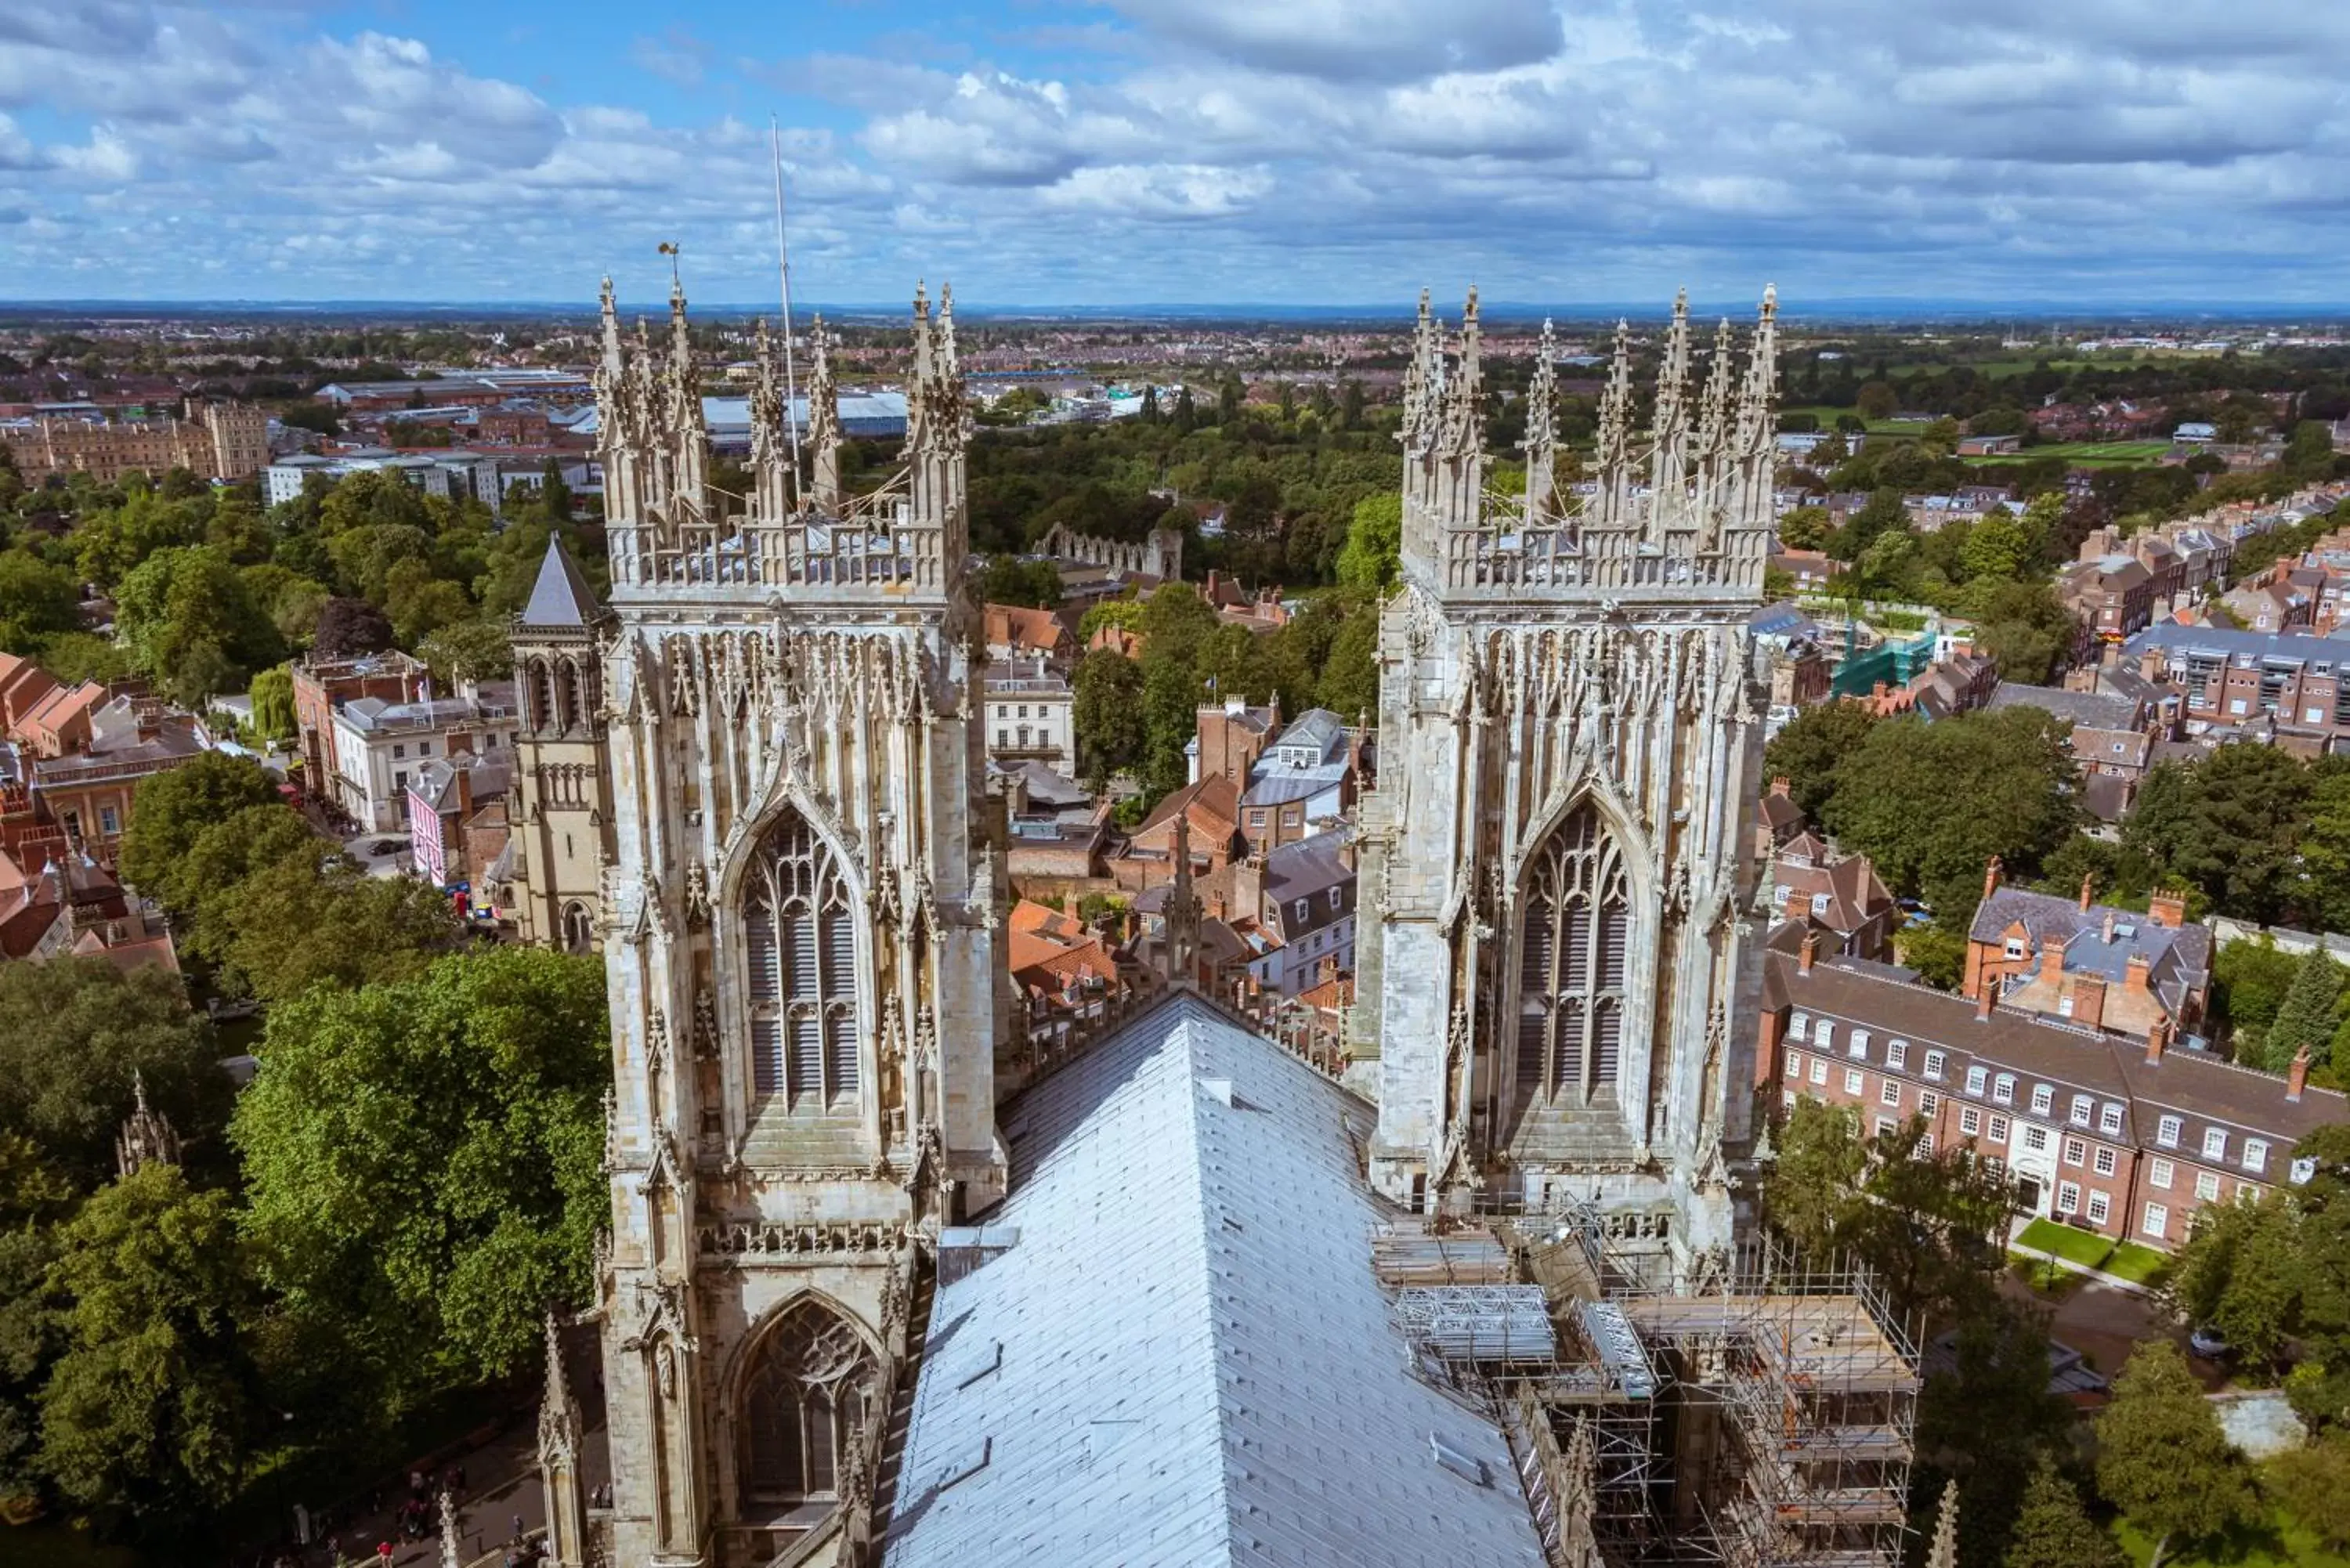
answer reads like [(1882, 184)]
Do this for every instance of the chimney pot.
[(1809, 954), (1992, 872), (2088, 890), (2296, 1077)]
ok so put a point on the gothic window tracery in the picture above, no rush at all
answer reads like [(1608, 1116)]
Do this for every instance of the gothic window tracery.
[(566, 695), (539, 696), (1575, 939), (800, 938), (810, 1393)]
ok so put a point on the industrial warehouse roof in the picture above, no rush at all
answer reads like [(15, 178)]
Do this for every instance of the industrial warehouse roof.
[(1181, 1357)]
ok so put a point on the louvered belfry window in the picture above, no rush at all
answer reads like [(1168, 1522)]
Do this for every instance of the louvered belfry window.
[(1574, 944), (799, 930)]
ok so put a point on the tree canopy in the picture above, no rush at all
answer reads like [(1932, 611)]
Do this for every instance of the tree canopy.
[(423, 1158), (2162, 1458)]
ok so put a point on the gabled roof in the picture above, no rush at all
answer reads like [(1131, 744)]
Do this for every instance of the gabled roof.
[(1182, 1358), (561, 598)]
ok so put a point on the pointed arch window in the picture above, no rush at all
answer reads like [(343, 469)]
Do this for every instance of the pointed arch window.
[(566, 695), (799, 929), (1574, 943), (809, 1395)]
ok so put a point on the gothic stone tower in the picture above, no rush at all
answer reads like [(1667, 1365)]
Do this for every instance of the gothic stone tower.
[(562, 826), (1557, 982), (799, 924)]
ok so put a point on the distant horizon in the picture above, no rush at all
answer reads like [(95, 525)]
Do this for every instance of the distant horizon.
[(1855, 310)]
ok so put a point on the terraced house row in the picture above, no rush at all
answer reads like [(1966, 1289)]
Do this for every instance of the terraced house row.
[(2125, 1136)]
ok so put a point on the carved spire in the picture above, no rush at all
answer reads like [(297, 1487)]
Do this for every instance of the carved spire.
[(1542, 423), (612, 364), (1669, 459), (1758, 399), (1613, 460), (1421, 376), (451, 1557), (771, 474), (146, 1138), (1944, 1553), (1713, 414), (824, 424), (1463, 425)]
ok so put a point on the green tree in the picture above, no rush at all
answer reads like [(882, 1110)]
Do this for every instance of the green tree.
[(2229, 825), (1805, 528), (432, 1241), (1884, 514), (1009, 580), (37, 601), (1811, 1192), (477, 647), (1350, 671), (33, 1196), (149, 1409), (1986, 1421), (2307, 1017), (2242, 1272), (1898, 801), (2000, 546), (1877, 400), (170, 810), (2021, 624), (2248, 980), (1372, 555), (297, 922), (213, 873), (2162, 1458), (1937, 950), (2326, 853), (273, 703), (189, 621), (2314, 1484), (2053, 1529), (73, 1032), (1107, 714), (1814, 744)]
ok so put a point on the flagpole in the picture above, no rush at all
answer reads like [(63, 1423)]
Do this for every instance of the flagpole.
[(783, 275)]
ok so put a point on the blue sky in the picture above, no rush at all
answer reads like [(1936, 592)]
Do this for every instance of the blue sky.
[(1291, 151)]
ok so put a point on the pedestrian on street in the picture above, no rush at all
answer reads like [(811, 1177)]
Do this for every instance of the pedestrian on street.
[(518, 1534), (383, 1552)]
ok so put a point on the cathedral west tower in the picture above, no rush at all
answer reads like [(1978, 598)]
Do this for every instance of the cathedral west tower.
[(1557, 981), (800, 923)]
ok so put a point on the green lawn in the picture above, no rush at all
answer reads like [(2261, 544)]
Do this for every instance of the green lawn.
[(2123, 1260), (2284, 1543), (2139, 1265), (2083, 1247)]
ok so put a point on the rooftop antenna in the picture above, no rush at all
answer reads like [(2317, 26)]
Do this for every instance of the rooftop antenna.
[(783, 275)]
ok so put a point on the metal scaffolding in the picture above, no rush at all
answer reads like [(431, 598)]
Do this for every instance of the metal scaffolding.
[(1762, 1419)]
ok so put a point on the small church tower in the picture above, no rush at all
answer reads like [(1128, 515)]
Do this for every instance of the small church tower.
[(561, 1485), (561, 827)]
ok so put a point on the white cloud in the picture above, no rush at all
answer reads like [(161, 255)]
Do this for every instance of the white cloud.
[(1311, 149)]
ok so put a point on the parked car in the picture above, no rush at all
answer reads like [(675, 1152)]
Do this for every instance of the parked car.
[(385, 846), (2207, 1342)]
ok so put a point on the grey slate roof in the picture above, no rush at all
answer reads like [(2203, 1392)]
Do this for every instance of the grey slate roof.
[(1183, 1360), (2244, 648), (561, 596), (2099, 710), (2178, 960)]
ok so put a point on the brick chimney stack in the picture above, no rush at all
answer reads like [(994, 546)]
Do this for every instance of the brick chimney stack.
[(2167, 908), (2158, 1040), (2088, 890), (1993, 870), (1809, 954), (2296, 1077), (1781, 785), (1987, 1001)]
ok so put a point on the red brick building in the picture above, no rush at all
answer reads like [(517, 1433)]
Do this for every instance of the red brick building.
[(2127, 1137)]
